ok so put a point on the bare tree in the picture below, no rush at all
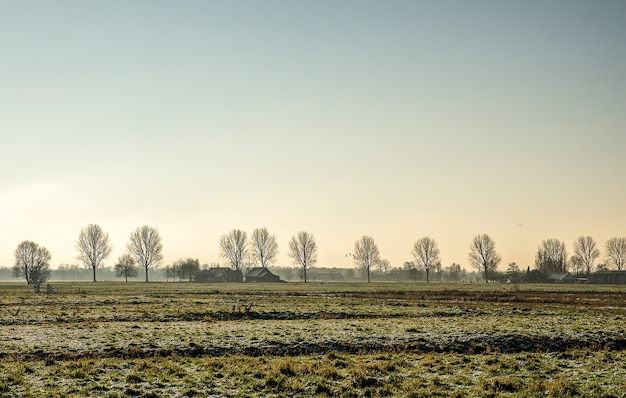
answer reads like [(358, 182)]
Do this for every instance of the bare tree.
[(410, 269), (126, 267), (366, 254), (454, 272), (145, 246), (426, 255), (575, 264), (188, 268), (483, 255), (303, 251), (171, 271), (513, 273), (551, 256), (383, 266), (93, 247), (586, 250), (32, 262), (263, 247), (234, 248), (616, 252)]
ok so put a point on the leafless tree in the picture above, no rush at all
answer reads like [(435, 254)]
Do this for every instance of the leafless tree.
[(513, 273), (366, 254), (483, 255), (303, 251), (234, 248), (409, 268), (171, 271), (454, 271), (616, 252), (426, 255), (576, 265), (93, 247), (188, 268), (551, 256), (383, 266), (146, 247), (126, 267), (263, 247), (586, 250), (32, 262)]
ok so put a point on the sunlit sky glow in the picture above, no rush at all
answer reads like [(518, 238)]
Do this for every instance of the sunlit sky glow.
[(395, 119)]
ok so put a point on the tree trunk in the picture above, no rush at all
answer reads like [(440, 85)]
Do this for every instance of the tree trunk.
[(427, 280), (94, 273), (146, 274)]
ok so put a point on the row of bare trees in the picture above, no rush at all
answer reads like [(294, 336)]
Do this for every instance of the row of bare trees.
[(262, 249), (144, 250), (483, 255), (552, 255), (183, 269)]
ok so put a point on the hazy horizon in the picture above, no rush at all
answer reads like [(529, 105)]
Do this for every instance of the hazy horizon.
[(397, 119)]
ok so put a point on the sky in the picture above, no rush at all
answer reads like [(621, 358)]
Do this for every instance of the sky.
[(393, 119)]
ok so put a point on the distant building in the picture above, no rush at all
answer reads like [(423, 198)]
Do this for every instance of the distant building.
[(607, 277), (537, 276), (219, 275), (566, 277), (261, 274)]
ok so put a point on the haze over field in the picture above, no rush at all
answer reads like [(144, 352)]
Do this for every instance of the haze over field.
[(395, 119)]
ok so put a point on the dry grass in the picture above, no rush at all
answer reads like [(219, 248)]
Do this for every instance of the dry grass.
[(312, 339)]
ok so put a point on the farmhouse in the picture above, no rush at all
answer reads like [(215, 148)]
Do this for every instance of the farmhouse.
[(220, 274), (538, 276), (607, 277), (261, 274)]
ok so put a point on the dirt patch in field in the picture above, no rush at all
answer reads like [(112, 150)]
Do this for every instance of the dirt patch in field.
[(468, 345)]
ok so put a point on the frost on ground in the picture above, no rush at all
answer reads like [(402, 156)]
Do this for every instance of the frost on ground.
[(505, 333), (346, 340)]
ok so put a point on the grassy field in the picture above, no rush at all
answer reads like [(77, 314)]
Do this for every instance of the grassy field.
[(313, 339)]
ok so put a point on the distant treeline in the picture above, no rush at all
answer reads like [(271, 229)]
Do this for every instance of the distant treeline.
[(69, 273), (240, 254)]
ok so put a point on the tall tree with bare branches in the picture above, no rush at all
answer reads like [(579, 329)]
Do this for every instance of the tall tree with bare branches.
[(146, 247), (303, 251), (234, 248), (263, 247), (551, 256), (366, 254), (426, 255), (586, 250), (483, 255), (616, 252), (32, 262), (93, 247)]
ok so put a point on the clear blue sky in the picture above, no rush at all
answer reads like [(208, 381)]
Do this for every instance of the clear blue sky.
[(395, 119)]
